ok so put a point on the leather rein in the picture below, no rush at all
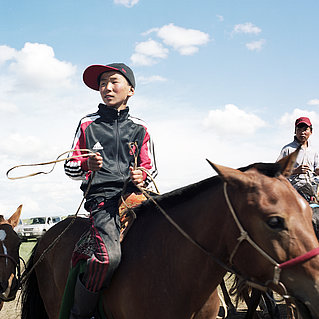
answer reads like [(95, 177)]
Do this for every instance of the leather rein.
[(243, 236), (18, 271), (277, 267)]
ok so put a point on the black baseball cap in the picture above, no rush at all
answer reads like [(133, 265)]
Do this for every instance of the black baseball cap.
[(91, 75)]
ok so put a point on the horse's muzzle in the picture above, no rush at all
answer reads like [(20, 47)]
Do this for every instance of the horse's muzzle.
[(306, 309), (9, 289)]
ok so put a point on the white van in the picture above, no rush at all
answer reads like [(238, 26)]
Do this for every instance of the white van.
[(37, 227), (19, 228)]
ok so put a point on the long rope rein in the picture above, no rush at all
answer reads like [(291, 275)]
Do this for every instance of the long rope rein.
[(243, 236), (142, 189), (58, 159), (40, 259), (184, 233)]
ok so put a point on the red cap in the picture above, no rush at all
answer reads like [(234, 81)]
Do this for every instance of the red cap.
[(304, 120), (91, 75)]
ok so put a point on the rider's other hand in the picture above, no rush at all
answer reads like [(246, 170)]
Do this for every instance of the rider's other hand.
[(137, 177), (302, 169), (95, 162)]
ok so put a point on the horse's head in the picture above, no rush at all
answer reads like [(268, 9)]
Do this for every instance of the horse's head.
[(9, 257), (273, 226)]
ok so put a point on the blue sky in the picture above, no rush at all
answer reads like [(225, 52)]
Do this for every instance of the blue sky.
[(222, 80)]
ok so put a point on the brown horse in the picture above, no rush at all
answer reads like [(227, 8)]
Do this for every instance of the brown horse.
[(182, 243), (9, 257)]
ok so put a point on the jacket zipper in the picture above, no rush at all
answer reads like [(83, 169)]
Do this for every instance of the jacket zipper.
[(118, 144)]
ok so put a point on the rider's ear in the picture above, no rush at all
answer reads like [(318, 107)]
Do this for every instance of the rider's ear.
[(131, 92)]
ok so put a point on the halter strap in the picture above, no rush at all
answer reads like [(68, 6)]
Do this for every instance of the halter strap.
[(18, 271), (244, 236), (297, 260)]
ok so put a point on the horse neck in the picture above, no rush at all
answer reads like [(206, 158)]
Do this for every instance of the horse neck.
[(201, 214), (206, 220)]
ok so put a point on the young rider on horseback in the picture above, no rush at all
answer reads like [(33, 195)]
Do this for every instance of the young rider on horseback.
[(110, 133), (306, 167)]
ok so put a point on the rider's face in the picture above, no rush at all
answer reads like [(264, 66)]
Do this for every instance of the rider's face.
[(303, 133)]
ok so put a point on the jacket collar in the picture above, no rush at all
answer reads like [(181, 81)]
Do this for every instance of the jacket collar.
[(298, 143), (110, 113)]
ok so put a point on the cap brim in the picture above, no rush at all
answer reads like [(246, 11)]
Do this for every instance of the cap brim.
[(304, 122), (92, 73)]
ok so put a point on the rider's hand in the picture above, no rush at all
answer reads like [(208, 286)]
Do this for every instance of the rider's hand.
[(302, 169), (137, 177), (95, 162)]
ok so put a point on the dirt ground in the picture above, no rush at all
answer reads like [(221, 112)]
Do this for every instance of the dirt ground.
[(11, 310)]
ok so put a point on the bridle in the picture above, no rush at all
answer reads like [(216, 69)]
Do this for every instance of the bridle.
[(277, 267), (17, 272), (244, 236)]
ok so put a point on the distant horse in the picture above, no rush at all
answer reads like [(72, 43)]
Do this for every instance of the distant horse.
[(9, 257), (249, 221)]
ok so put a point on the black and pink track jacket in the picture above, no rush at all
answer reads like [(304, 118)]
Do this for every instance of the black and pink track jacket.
[(109, 132)]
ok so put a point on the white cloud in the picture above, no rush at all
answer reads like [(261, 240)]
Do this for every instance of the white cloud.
[(256, 45), (35, 66), (6, 53), (232, 120), (185, 41), (7, 107), (27, 145), (149, 31), (150, 79), (126, 3), (141, 59), (152, 48), (247, 28), (148, 52), (220, 18), (288, 119), (313, 102)]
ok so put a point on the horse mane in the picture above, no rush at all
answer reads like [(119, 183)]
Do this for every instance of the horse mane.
[(187, 192), (268, 169), (1, 219)]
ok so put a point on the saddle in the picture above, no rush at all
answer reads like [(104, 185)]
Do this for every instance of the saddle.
[(127, 215)]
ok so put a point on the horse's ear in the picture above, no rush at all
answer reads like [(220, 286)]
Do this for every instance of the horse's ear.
[(228, 174), (14, 219), (287, 162)]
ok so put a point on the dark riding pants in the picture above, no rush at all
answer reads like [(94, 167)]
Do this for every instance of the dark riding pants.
[(105, 228)]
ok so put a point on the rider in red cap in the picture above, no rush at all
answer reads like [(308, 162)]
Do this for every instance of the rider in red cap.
[(307, 163)]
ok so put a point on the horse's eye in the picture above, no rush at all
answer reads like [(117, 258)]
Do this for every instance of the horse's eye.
[(276, 222)]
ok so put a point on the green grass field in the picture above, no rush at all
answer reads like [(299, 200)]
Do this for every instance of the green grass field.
[(26, 249)]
